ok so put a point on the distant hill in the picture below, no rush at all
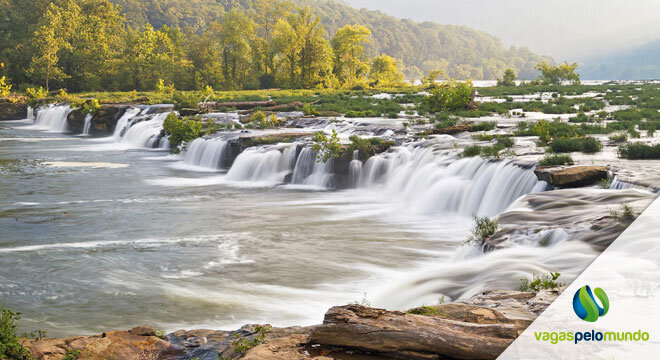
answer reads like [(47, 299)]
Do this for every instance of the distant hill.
[(642, 63), (462, 51)]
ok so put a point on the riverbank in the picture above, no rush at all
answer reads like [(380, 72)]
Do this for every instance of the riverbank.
[(480, 327)]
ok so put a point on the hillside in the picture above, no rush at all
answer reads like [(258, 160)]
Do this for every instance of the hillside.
[(462, 51), (638, 64)]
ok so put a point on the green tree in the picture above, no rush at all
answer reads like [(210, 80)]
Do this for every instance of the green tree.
[(452, 96), (508, 79), (350, 64), (326, 147), (181, 131), (554, 75), (306, 54), (266, 15), (235, 36), (49, 39), (385, 72)]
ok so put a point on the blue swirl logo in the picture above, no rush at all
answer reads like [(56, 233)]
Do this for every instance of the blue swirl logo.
[(585, 305)]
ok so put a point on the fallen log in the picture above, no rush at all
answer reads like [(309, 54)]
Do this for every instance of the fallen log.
[(240, 105)]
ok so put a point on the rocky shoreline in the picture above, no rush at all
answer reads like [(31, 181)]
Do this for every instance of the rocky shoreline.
[(480, 327)]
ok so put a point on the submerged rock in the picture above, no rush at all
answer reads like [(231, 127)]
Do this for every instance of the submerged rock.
[(571, 176)]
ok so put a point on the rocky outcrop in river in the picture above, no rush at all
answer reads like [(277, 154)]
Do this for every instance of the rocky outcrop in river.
[(478, 328), (571, 176), (13, 110)]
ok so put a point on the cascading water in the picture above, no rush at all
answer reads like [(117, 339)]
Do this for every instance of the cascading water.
[(88, 125), (207, 153), (53, 118), (270, 164), (428, 183), (123, 123), (147, 133), (354, 170), (309, 171)]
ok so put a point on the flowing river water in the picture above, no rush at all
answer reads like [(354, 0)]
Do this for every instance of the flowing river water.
[(101, 234)]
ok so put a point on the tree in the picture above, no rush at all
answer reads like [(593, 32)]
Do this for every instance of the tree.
[(266, 15), (554, 75), (306, 54), (350, 64), (49, 39), (508, 79), (235, 36), (385, 72)]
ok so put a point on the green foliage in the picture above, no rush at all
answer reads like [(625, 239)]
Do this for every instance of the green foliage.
[(181, 131), (91, 106), (451, 96), (586, 145), (427, 311), (556, 160), (639, 151), (484, 228), (160, 333), (619, 138), (309, 110), (538, 283), (484, 126), (350, 63), (10, 348), (163, 88), (627, 214), (36, 94), (508, 79), (554, 75), (5, 87), (186, 100), (368, 147), (385, 72), (326, 147), (242, 344), (71, 354)]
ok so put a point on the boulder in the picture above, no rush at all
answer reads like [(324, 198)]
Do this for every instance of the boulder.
[(13, 110), (571, 176), (136, 344), (104, 121), (402, 335)]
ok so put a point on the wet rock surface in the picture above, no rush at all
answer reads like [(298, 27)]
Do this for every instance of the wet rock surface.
[(103, 122), (493, 318), (13, 110), (571, 176)]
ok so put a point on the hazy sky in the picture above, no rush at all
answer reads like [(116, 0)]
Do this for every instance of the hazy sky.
[(563, 29)]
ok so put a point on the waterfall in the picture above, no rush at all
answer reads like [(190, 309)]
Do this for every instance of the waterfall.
[(269, 164), (310, 171), (207, 153), (427, 183), (53, 118), (147, 133), (123, 122), (30, 113), (88, 124), (354, 170)]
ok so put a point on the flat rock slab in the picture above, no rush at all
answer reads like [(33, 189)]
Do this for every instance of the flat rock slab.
[(571, 176)]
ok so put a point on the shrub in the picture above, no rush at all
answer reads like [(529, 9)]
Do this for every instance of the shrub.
[(90, 107), (556, 160), (484, 228), (426, 311), (326, 147), (627, 214), (5, 88), (508, 79), (619, 138), (639, 151), (451, 96), (368, 147), (186, 100), (162, 88), (10, 348), (309, 110), (484, 126), (471, 151), (36, 94), (241, 345), (586, 145), (541, 283), (181, 131)]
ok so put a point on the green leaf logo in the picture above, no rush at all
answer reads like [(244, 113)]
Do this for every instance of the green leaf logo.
[(585, 305)]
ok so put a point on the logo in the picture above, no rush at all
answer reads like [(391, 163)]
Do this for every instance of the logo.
[(585, 305)]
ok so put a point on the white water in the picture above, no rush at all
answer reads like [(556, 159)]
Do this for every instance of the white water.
[(88, 124), (123, 122), (355, 170), (267, 164), (146, 133), (207, 154), (311, 172), (52, 118), (428, 183)]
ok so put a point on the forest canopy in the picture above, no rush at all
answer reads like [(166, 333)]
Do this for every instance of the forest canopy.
[(235, 44)]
